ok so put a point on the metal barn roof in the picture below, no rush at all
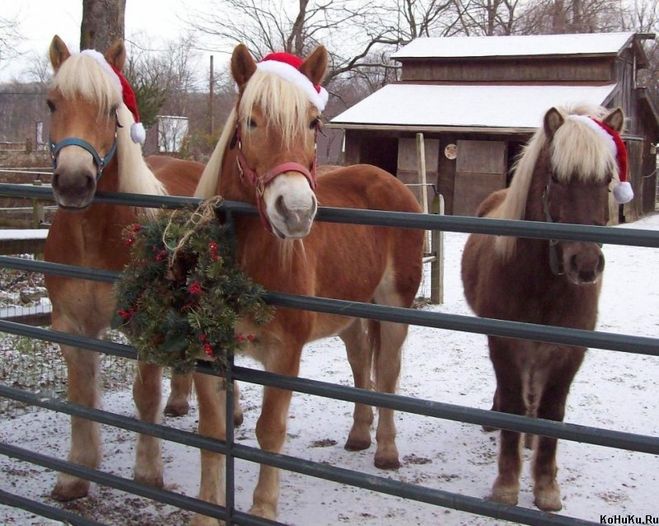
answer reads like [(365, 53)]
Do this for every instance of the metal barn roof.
[(515, 46), (510, 108)]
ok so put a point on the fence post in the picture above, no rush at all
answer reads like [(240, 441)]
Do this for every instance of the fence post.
[(38, 217), (437, 250)]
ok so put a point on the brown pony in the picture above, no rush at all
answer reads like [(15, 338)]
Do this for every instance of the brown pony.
[(89, 122), (563, 176), (266, 156)]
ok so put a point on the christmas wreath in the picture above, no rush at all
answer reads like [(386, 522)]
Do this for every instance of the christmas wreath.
[(180, 295)]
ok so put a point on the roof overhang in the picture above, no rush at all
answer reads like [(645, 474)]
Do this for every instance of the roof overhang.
[(473, 107)]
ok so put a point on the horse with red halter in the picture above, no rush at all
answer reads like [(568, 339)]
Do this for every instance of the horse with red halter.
[(93, 149), (266, 156), (563, 176)]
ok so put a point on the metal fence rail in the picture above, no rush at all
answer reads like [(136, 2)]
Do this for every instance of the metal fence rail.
[(594, 339)]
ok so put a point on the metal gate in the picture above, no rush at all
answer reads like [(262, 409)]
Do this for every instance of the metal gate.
[(233, 450)]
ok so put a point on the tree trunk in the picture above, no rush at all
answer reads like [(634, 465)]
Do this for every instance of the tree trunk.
[(102, 23)]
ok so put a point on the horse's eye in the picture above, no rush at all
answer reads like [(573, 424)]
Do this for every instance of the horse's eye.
[(113, 109), (251, 123), (315, 123), (51, 105), (554, 178)]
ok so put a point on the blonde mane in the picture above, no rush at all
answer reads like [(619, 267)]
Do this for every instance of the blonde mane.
[(82, 76), (282, 103), (576, 152)]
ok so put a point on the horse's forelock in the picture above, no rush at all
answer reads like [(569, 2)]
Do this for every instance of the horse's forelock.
[(576, 151), (82, 76), (283, 104), (579, 152)]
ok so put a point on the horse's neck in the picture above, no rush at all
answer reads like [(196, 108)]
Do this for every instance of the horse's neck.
[(230, 185)]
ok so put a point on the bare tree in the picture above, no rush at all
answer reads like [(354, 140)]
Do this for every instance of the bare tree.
[(102, 23), (10, 36), (162, 80), (487, 17)]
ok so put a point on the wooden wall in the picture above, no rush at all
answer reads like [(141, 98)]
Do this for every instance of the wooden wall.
[(553, 70), (480, 170)]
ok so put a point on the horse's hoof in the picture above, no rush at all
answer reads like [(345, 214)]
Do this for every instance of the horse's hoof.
[(202, 520), (238, 419), (548, 499), (385, 462), (356, 444), (154, 480), (505, 494), (177, 409), (70, 489), (263, 511)]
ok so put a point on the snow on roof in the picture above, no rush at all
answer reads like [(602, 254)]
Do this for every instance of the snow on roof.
[(20, 233), (466, 105), (519, 45)]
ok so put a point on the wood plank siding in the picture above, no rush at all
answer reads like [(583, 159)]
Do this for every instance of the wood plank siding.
[(545, 70)]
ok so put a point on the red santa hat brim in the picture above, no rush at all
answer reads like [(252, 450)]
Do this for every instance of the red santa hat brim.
[(286, 66)]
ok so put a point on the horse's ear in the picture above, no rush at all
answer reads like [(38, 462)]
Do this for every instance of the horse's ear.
[(242, 65), (58, 52), (552, 122), (315, 66), (116, 54), (615, 120)]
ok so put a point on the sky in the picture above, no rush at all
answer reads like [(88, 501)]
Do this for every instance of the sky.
[(157, 21)]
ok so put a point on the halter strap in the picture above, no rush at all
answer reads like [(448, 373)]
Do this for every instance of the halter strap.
[(260, 183), (100, 162)]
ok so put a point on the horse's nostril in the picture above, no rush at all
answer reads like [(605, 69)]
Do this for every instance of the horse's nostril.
[(600, 264), (280, 206)]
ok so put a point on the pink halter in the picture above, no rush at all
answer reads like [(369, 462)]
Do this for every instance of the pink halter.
[(260, 183)]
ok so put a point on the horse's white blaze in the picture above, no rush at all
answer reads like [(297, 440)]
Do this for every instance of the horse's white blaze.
[(290, 205), (74, 159)]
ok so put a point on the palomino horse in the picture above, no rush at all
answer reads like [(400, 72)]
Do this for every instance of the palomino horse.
[(563, 176), (271, 134), (89, 122)]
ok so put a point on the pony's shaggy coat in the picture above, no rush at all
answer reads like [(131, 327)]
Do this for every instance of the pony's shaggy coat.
[(563, 175)]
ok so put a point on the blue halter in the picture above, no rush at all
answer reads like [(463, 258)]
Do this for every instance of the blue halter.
[(100, 162)]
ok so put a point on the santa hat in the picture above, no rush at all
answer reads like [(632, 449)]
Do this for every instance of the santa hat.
[(137, 132), (287, 66), (622, 190)]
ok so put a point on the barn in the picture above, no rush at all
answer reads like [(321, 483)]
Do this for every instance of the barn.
[(472, 102)]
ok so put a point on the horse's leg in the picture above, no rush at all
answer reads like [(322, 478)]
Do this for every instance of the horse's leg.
[(211, 399), (83, 389), (388, 350), (360, 356), (551, 407), (147, 389), (177, 403), (495, 407), (271, 430), (511, 400)]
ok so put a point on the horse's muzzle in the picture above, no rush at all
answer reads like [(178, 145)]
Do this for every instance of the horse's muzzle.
[(74, 190), (583, 262)]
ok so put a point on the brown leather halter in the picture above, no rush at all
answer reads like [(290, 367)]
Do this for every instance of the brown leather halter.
[(260, 183)]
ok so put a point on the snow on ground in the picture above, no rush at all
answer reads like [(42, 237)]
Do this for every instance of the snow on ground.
[(613, 390)]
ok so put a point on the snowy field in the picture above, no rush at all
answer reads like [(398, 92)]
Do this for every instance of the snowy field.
[(613, 390)]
